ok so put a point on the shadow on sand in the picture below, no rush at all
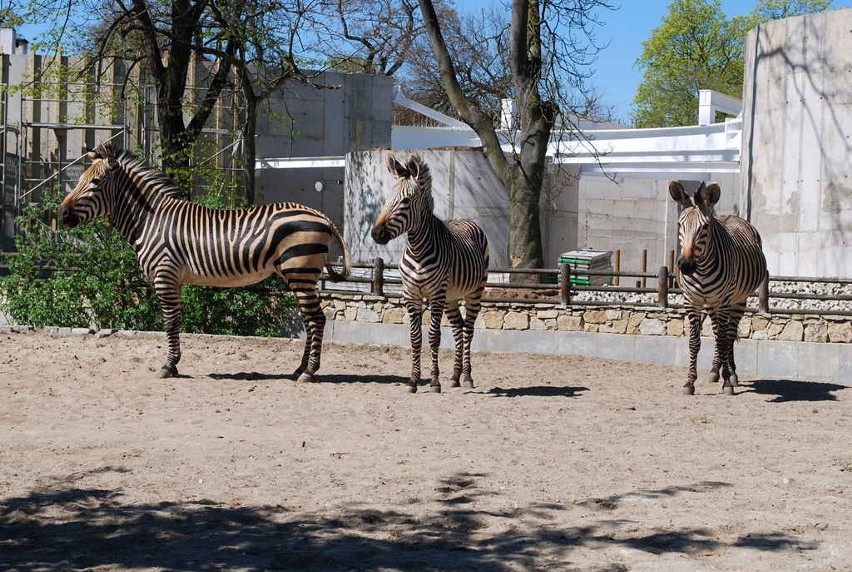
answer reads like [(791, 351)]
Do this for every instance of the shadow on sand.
[(787, 390), (66, 527)]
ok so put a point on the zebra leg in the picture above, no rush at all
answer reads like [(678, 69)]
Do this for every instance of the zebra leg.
[(694, 315), (737, 312), (168, 292), (456, 320), (436, 310), (314, 319), (725, 346), (471, 311), (415, 321), (717, 351)]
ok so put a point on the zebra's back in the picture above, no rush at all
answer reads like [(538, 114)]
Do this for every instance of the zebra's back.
[(236, 247), (739, 268)]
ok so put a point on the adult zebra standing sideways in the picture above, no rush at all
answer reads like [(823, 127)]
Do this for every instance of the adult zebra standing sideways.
[(180, 242), (721, 263), (442, 264)]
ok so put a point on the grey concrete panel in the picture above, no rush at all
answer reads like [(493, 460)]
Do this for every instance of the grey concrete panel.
[(762, 359), (778, 360), (818, 362), (797, 156)]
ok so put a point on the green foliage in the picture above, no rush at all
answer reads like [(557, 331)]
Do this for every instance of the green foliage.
[(89, 276), (75, 277), (697, 47)]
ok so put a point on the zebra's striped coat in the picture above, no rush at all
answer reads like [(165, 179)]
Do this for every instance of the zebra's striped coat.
[(180, 242), (443, 263), (721, 263)]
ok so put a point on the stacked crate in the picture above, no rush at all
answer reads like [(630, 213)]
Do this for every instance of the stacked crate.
[(584, 261)]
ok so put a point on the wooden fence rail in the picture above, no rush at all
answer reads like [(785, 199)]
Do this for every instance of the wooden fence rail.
[(554, 285)]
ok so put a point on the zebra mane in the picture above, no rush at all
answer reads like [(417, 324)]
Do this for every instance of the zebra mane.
[(136, 167)]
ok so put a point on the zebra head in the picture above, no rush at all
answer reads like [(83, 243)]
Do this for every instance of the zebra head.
[(408, 201), (693, 226), (91, 198)]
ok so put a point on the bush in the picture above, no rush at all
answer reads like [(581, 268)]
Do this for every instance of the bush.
[(89, 276)]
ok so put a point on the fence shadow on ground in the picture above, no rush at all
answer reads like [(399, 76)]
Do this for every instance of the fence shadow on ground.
[(538, 391), (320, 378), (789, 390), (66, 527)]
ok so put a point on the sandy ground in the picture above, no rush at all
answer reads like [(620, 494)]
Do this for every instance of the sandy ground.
[(550, 463)]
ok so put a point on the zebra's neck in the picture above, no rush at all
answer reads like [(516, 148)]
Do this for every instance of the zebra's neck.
[(422, 237), (135, 201)]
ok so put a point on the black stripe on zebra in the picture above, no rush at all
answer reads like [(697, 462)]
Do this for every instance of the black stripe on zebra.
[(443, 263), (721, 263), (179, 242)]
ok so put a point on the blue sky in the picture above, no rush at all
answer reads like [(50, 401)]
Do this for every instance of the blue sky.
[(624, 30)]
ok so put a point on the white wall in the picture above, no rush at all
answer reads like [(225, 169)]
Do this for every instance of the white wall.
[(797, 149)]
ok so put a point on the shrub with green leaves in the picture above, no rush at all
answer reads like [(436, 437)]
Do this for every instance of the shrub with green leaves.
[(89, 276)]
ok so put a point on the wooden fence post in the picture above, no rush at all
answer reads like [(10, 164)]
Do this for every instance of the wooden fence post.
[(565, 283), (763, 295), (617, 266), (378, 284), (663, 287)]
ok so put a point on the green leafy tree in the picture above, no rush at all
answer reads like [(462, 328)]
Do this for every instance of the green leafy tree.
[(697, 47)]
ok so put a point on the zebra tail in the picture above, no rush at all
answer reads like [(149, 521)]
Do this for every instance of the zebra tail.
[(347, 268)]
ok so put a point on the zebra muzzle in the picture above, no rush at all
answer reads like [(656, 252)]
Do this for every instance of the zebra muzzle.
[(67, 217), (380, 235), (687, 265)]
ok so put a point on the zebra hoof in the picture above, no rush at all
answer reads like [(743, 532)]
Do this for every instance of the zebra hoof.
[(728, 389), (468, 384), (412, 386), (689, 390), (168, 371), (454, 382), (735, 381), (435, 387), (305, 378), (713, 377)]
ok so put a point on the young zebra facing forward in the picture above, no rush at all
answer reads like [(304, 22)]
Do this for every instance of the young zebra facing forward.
[(180, 242), (442, 264), (721, 263)]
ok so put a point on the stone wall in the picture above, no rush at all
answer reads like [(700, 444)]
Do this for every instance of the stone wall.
[(650, 320)]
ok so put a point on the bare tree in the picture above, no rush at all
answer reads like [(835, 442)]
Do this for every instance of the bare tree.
[(550, 50)]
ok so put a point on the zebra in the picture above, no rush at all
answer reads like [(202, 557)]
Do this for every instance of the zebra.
[(721, 263), (442, 264), (179, 242)]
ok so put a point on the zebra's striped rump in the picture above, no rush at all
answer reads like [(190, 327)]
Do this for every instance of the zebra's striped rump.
[(180, 242), (720, 265), (443, 264)]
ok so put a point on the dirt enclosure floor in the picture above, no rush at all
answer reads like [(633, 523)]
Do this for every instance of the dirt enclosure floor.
[(550, 463)]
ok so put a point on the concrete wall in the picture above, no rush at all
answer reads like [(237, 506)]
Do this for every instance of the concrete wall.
[(630, 214), (777, 346), (307, 122), (463, 186), (797, 151)]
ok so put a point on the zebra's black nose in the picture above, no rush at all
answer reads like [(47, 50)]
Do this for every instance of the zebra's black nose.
[(380, 234), (67, 217), (687, 265)]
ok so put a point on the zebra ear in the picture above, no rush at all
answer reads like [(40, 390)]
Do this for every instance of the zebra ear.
[(709, 194), (412, 165), (396, 168), (677, 192)]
